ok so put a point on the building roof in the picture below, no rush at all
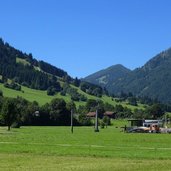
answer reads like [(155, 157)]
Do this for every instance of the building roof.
[(91, 114), (109, 113)]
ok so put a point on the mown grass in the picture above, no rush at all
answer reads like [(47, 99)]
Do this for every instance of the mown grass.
[(29, 162), (50, 148)]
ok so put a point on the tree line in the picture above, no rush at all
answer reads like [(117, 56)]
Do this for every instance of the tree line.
[(18, 111)]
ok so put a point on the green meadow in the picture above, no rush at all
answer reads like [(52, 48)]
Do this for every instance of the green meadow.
[(41, 96), (55, 148)]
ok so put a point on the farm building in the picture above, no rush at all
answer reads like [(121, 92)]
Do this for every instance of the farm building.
[(110, 114), (91, 114)]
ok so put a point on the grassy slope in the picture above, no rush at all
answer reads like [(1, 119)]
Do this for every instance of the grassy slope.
[(32, 95), (55, 148), (41, 96)]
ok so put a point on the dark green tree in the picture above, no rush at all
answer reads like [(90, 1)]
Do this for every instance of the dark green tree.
[(155, 111), (132, 101), (51, 91), (59, 113), (9, 112), (71, 106)]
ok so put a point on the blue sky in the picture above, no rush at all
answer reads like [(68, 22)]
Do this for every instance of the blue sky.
[(84, 36)]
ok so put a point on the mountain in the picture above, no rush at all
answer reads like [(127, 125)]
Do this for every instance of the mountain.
[(107, 76), (25, 70), (20, 69), (152, 80)]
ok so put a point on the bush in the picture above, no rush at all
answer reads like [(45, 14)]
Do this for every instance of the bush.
[(102, 125), (13, 86), (63, 93), (51, 91), (16, 125)]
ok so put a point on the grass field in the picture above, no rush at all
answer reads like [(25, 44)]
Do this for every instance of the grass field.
[(55, 148), (33, 95)]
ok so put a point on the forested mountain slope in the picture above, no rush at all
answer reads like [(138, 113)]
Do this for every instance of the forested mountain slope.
[(152, 80), (32, 73), (22, 69)]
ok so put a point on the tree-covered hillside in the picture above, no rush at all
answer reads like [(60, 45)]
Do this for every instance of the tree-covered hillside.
[(152, 80), (25, 70), (26, 74)]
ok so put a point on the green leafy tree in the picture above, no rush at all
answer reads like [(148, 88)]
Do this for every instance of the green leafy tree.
[(29, 114), (132, 101), (9, 112), (155, 111), (139, 114), (84, 121), (106, 121), (59, 113), (76, 82), (51, 91), (108, 107), (71, 106)]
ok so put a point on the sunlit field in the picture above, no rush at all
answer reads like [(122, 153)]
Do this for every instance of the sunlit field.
[(55, 148)]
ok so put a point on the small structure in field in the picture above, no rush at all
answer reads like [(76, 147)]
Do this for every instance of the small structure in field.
[(141, 125), (135, 122), (148, 123)]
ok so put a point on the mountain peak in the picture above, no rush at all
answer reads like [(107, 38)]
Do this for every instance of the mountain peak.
[(107, 75), (117, 66)]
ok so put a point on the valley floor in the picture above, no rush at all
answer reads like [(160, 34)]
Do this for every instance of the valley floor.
[(55, 148)]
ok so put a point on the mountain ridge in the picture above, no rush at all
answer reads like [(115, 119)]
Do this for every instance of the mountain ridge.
[(153, 79)]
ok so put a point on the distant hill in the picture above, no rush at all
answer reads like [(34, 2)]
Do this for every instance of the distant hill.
[(152, 80), (107, 76)]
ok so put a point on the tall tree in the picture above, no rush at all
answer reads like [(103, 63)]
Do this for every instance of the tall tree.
[(58, 112), (9, 113)]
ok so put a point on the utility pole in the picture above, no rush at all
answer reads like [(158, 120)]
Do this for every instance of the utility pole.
[(165, 120), (72, 129), (96, 121)]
